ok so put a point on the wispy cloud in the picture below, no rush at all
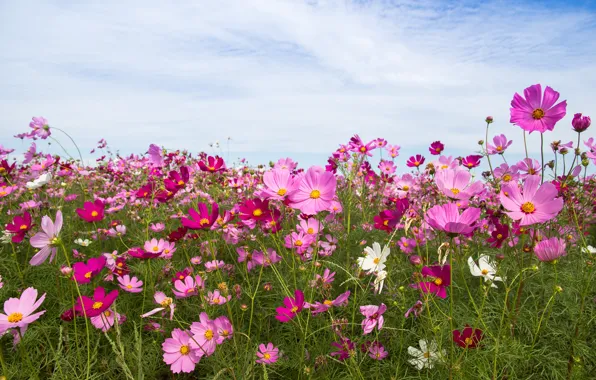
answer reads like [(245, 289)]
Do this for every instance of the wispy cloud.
[(288, 76)]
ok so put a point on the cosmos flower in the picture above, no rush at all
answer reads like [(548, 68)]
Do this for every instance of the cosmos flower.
[(292, 306), (19, 227), (448, 219), (468, 338), (550, 249), (84, 272), (436, 148), (500, 145), (315, 192), (535, 204), (536, 112), (92, 307), (375, 258), (267, 354), (18, 312), (92, 212), (484, 269), (436, 280), (46, 240), (373, 317), (426, 356), (131, 285), (177, 352), (455, 183), (415, 161)]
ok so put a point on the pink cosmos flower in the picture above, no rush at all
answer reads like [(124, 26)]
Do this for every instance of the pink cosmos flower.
[(373, 317), (253, 211), (292, 307), (268, 258), (279, 183), (92, 307), (18, 312), (310, 226), (315, 191), (251, 259), (106, 320), (438, 278), (507, 173), (415, 161), (92, 212), (157, 227), (205, 336), (267, 354), (387, 167), (580, 123), (154, 246), (141, 253), (131, 285), (214, 265), (216, 298), (84, 272), (537, 112), (416, 309), (19, 227), (406, 245), (189, 287), (30, 154), (321, 307), (471, 161), (436, 148), (40, 128), (393, 150), (177, 352), (47, 239), (155, 155), (224, 328), (447, 218), (537, 204), (285, 164), (377, 352), (500, 145), (168, 250), (550, 249), (299, 241), (165, 302), (528, 167), (455, 183), (202, 219), (213, 165)]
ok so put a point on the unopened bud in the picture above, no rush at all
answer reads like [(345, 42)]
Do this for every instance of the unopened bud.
[(489, 120)]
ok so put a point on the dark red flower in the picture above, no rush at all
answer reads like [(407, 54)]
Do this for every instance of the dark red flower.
[(468, 338), (436, 148), (19, 226), (213, 165)]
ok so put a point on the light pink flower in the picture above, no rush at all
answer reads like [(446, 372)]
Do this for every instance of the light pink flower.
[(267, 354), (373, 317), (131, 285), (47, 239), (177, 352), (315, 192), (18, 312), (537, 204)]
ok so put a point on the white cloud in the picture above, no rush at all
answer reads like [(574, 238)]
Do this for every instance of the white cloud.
[(287, 76)]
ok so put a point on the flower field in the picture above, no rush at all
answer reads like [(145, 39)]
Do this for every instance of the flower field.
[(172, 264)]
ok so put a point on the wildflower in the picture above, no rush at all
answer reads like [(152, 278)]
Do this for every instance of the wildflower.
[(500, 145), (438, 278), (393, 150), (315, 192), (416, 309), (19, 227), (224, 328), (387, 167), (498, 236), (165, 302), (468, 338), (157, 227), (375, 258), (19, 311), (279, 183), (580, 123), (415, 161), (177, 352), (550, 249), (426, 356), (92, 212), (189, 287), (455, 184), (377, 352), (46, 240), (131, 285), (168, 250), (528, 167), (141, 253), (205, 336), (447, 218), (154, 246), (214, 265), (484, 269), (535, 112), (380, 277), (42, 180), (292, 307), (537, 203), (299, 241), (267, 354), (285, 164), (213, 165), (202, 219), (321, 307), (310, 226), (325, 280), (346, 349), (436, 148), (471, 161), (84, 272), (92, 307), (589, 250), (253, 211), (83, 243), (216, 298), (106, 320), (373, 317)]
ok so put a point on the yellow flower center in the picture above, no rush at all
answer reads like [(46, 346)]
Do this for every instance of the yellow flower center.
[(166, 302), (155, 249), (468, 341), (499, 236), (209, 334), (216, 300), (499, 148), (438, 282), (426, 355), (376, 260), (282, 192), (15, 317), (416, 163), (538, 114), (267, 356), (531, 171), (184, 350), (455, 191), (204, 221), (94, 213), (386, 222), (298, 243), (315, 194), (88, 274), (129, 286), (257, 212), (310, 231), (211, 168), (363, 149), (528, 207), (107, 313), (180, 183), (294, 309), (405, 244), (23, 227), (437, 149), (405, 188), (328, 303), (225, 333), (484, 271), (97, 305), (507, 177)]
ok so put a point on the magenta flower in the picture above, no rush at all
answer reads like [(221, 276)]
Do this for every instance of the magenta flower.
[(205, 336), (189, 287), (299, 241), (345, 349), (550, 249), (92, 307), (251, 259), (580, 123), (84, 272), (141, 253), (202, 219), (537, 112), (19, 227), (507, 173), (373, 317), (292, 307), (267, 354), (468, 338), (157, 227), (500, 145), (437, 279), (253, 211), (224, 328), (131, 285), (213, 165), (46, 240), (416, 309), (447, 218), (377, 352), (415, 161), (285, 164), (537, 204), (177, 352), (393, 150), (18, 312), (436, 148), (528, 167), (471, 161), (40, 128), (455, 183), (321, 307), (315, 192), (92, 212)]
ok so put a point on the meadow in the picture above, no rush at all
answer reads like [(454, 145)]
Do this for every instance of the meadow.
[(176, 264)]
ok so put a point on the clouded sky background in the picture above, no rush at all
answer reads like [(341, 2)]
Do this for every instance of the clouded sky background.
[(289, 78)]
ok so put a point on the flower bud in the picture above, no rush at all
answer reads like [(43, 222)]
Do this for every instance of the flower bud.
[(489, 120), (480, 142), (580, 123), (415, 260)]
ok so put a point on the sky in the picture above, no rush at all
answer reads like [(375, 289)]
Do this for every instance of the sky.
[(289, 78)]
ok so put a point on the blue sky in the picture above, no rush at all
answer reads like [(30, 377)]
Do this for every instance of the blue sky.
[(289, 78)]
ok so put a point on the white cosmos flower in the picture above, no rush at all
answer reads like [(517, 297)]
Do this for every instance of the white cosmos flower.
[(589, 249), (426, 356), (83, 243), (379, 281), (43, 179), (374, 259), (484, 269)]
